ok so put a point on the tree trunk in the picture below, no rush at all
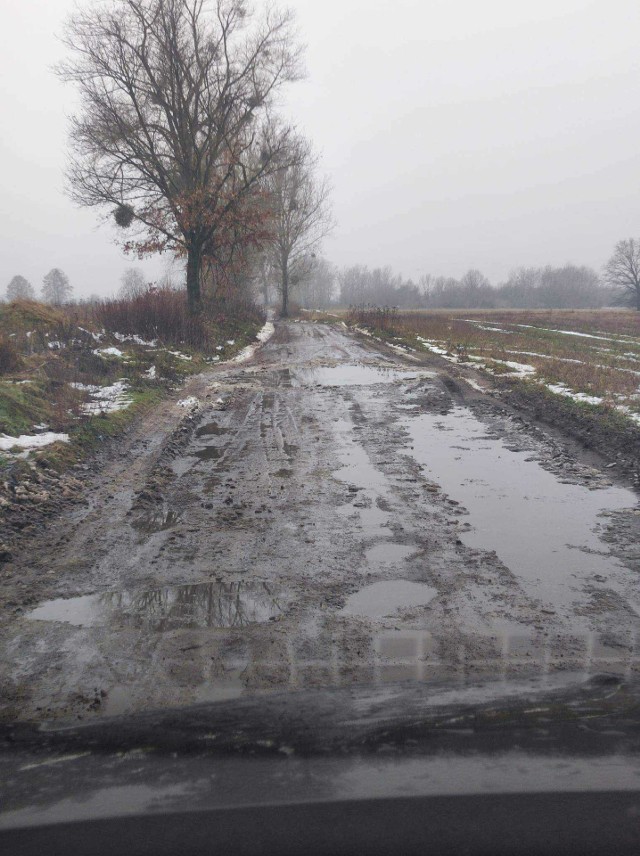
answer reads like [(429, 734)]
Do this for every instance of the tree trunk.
[(285, 292), (194, 264)]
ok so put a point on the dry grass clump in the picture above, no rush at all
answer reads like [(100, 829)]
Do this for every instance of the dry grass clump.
[(162, 315)]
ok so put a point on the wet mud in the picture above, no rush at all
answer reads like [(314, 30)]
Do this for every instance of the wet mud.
[(323, 515)]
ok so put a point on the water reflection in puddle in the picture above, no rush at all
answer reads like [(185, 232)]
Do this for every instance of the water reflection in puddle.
[(192, 606), (157, 521), (386, 598), (541, 529), (356, 375)]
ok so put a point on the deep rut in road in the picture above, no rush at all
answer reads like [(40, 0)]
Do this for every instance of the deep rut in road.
[(321, 516)]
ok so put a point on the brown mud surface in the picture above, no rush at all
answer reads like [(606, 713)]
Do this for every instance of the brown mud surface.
[(323, 516)]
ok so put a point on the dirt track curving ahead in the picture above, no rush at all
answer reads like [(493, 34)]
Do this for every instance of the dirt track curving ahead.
[(326, 514)]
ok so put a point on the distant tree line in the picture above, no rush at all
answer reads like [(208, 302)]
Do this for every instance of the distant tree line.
[(56, 288), (548, 287)]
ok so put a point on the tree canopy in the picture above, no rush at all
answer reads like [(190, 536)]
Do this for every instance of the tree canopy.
[(174, 134), (20, 288)]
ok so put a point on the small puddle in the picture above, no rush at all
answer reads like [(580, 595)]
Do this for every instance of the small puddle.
[(358, 472), (386, 598), (187, 606), (209, 429), (355, 374), (540, 528), (387, 553), (209, 453)]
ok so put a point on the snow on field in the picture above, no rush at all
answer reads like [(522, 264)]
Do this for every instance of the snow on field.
[(137, 340), (151, 373), (482, 326), (179, 355), (562, 389), (519, 369), (28, 442), (262, 336), (602, 338), (108, 352), (106, 399), (436, 349)]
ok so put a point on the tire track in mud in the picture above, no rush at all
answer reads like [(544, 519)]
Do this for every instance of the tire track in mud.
[(292, 536)]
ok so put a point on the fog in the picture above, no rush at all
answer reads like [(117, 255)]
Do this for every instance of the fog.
[(456, 135)]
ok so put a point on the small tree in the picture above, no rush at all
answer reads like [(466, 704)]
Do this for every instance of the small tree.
[(20, 289), (301, 217), (56, 287), (132, 284), (622, 271)]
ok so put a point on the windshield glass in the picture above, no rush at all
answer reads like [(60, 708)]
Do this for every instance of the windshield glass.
[(296, 440)]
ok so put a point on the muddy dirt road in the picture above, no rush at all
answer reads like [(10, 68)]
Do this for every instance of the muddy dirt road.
[(322, 515)]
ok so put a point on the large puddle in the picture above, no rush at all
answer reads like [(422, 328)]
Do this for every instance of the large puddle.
[(386, 598), (200, 605), (356, 374), (543, 530)]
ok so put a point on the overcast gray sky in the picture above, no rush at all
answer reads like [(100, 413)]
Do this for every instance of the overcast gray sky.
[(456, 133)]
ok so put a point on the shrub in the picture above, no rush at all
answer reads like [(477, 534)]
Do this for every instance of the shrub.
[(163, 314), (9, 356)]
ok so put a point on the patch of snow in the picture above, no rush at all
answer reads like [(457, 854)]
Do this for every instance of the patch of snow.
[(262, 336), (266, 333), (472, 383), (106, 399), (519, 369), (219, 348), (482, 326), (601, 338), (630, 414), (231, 341), (563, 389), (27, 442), (121, 337), (180, 355), (436, 349), (55, 346), (400, 350), (108, 352), (151, 373), (189, 403), (95, 336)]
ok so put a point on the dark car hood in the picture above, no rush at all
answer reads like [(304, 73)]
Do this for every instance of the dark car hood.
[(544, 734)]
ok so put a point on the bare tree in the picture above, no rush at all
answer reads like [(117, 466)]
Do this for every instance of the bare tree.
[(301, 216), (20, 289), (132, 285), (56, 287), (173, 132), (317, 290), (622, 271)]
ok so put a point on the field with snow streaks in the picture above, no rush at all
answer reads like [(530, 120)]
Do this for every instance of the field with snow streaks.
[(589, 356)]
